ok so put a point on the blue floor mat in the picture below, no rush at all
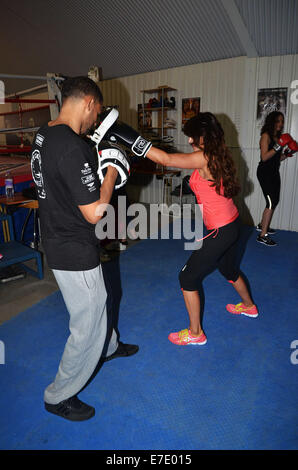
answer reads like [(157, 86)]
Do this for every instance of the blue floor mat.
[(239, 391)]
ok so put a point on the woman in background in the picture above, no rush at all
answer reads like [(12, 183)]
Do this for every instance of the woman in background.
[(275, 147)]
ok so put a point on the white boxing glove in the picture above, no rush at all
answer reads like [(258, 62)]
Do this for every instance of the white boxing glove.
[(116, 157)]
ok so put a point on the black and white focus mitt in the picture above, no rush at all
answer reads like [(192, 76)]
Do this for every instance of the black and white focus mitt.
[(120, 133), (110, 155), (107, 119)]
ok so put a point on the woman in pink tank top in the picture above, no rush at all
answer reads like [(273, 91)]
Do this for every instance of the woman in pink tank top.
[(214, 184)]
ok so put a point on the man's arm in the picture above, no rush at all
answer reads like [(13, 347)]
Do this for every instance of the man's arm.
[(94, 212)]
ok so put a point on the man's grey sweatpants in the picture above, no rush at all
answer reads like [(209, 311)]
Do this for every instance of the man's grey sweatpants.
[(85, 296)]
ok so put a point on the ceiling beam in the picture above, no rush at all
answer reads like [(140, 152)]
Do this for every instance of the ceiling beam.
[(240, 28)]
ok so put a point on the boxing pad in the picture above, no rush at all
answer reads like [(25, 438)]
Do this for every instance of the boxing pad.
[(116, 157), (106, 120)]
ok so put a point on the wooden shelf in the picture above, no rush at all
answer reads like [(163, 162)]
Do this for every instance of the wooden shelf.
[(150, 128), (153, 123), (158, 89), (159, 108)]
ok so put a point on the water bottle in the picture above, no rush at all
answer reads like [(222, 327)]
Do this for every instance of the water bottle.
[(9, 189)]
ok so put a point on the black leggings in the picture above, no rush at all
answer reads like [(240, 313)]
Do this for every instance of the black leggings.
[(216, 253), (270, 184)]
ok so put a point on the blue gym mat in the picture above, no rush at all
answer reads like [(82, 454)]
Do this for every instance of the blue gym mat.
[(239, 391)]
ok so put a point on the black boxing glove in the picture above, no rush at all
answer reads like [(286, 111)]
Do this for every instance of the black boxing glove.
[(119, 133), (123, 134)]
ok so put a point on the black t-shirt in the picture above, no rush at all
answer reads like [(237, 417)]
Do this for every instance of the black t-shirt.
[(273, 163), (64, 172)]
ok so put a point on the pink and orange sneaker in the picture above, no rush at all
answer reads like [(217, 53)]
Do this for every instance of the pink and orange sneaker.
[(184, 337), (240, 309)]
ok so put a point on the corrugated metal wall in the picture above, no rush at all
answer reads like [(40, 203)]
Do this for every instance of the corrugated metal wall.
[(270, 72), (228, 88)]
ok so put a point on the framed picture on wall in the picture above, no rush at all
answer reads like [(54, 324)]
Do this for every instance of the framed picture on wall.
[(190, 108), (271, 99)]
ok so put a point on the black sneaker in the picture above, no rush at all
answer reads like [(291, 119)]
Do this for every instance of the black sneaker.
[(72, 409), (266, 240), (123, 350), (270, 230)]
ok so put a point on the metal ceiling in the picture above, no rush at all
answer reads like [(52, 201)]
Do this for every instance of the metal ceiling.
[(272, 25), (127, 37)]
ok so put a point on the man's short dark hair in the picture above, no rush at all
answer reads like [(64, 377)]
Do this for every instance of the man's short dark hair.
[(78, 87)]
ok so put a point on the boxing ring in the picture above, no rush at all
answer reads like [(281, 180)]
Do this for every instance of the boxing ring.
[(21, 115)]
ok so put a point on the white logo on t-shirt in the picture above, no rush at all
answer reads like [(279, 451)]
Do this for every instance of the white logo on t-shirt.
[(37, 174), (39, 140), (86, 170), (87, 179)]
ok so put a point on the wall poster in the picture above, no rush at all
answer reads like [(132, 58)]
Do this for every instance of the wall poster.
[(271, 99), (190, 108)]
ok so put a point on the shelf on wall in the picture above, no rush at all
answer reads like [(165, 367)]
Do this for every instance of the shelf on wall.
[(155, 127), (160, 88), (159, 108), (154, 121)]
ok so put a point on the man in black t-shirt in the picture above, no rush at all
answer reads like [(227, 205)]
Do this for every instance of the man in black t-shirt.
[(70, 199)]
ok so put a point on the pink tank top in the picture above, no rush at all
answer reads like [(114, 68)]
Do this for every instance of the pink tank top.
[(217, 209)]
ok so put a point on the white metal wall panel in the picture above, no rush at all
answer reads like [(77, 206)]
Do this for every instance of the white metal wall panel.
[(270, 72)]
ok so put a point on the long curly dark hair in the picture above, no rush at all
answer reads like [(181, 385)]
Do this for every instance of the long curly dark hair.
[(220, 162), (269, 124)]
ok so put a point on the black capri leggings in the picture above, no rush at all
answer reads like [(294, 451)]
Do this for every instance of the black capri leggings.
[(270, 184), (216, 253)]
